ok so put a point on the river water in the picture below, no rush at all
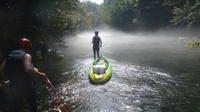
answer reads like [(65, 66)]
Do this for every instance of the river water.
[(152, 72)]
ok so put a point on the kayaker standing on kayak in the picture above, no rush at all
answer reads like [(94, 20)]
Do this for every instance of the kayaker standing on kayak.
[(19, 70), (97, 43)]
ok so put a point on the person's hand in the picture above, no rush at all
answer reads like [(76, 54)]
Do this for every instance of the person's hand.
[(36, 69), (46, 79), (100, 46)]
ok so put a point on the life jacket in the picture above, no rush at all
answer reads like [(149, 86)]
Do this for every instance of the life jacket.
[(15, 68), (96, 41)]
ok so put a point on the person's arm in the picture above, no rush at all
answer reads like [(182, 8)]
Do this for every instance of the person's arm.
[(30, 69)]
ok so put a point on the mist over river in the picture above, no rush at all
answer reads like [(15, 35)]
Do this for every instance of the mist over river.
[(152, 72)]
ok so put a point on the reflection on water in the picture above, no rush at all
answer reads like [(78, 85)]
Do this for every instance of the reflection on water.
[(131, 89), (136, 85)]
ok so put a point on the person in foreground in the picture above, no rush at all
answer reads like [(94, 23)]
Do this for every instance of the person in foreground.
[(18, 68), (97, 43)]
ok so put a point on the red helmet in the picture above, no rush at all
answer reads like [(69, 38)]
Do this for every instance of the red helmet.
[(24, 43)]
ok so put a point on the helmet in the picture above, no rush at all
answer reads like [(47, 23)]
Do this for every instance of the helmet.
[(24, 43)]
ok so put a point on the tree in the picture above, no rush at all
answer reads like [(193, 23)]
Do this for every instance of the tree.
[(47, 19), (123, 14), (151, 11), (188, 14)]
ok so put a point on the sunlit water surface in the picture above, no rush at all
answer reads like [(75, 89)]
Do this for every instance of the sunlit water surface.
[(138, 84)]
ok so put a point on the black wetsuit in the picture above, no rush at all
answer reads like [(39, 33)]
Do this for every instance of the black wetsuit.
[(21, 84), (96, 45)]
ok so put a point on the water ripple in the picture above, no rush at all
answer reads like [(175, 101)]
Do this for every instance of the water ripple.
[(131, 89)]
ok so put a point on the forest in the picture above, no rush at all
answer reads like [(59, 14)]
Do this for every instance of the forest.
[(147, 52), (43, 19), (134, 14), (51, 20)]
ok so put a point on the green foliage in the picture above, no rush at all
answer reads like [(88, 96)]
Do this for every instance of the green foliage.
[(88, 15), (51, 19), (119, 11), (188, 14), (43, 19), (136, 13), (151, 14)]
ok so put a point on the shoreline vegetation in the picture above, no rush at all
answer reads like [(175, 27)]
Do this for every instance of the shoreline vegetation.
[(54, 20), (51, 20)]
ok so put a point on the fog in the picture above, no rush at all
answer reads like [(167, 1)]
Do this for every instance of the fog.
[(155, 48)]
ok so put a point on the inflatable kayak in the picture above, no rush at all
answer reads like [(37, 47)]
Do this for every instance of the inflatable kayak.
[(100, 71)]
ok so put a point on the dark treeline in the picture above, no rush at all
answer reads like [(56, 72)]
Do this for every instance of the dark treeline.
[(51, 19), (151, 14), (43, 19)]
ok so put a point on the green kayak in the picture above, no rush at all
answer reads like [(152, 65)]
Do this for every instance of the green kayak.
[(100, 71)]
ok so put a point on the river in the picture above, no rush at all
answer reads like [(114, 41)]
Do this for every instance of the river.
[(152, 72)]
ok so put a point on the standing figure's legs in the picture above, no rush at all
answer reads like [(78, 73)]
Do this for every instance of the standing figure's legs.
[(94, 51), (97, 52)]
